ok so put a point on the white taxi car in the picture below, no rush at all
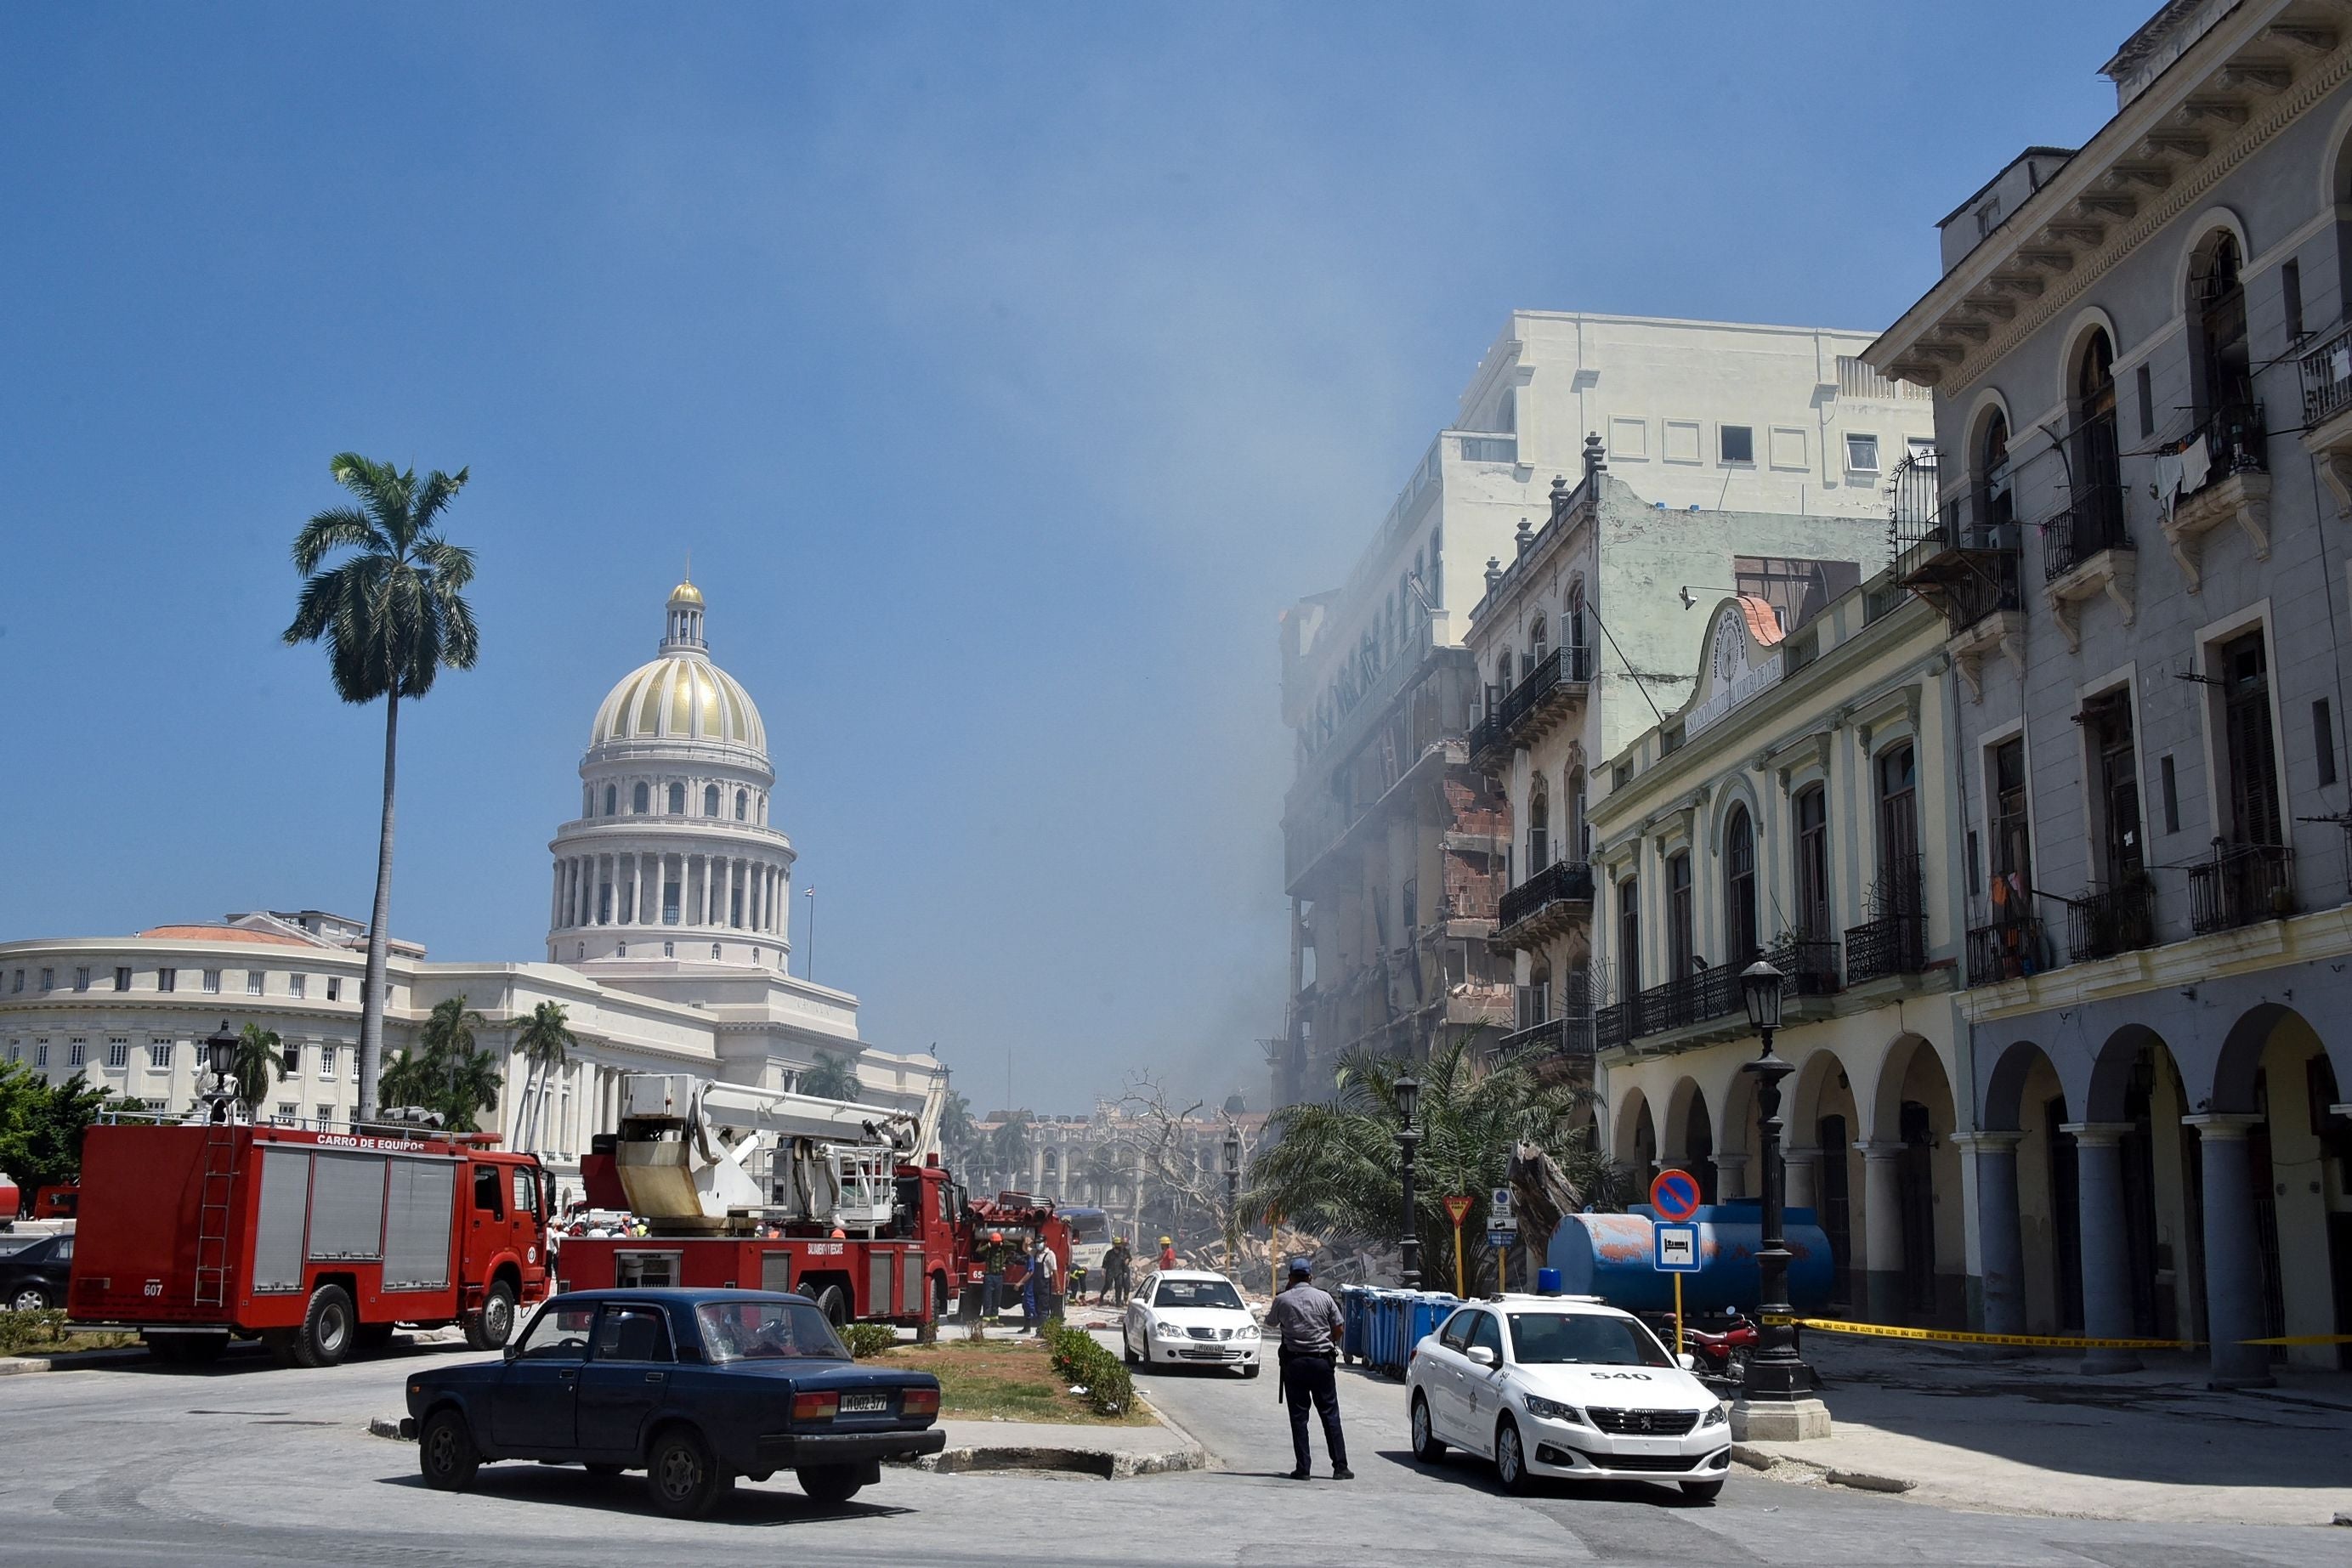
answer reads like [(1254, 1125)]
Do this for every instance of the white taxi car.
[(1564, 1387), (1194, 1317)]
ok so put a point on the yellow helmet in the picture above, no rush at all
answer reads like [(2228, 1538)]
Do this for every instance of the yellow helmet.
[(1165, 1242)]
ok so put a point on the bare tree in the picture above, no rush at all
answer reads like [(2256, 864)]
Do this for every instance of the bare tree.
[(1179, 1154)]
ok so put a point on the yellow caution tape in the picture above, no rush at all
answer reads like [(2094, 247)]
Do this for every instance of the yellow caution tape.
[(2061, 1341)]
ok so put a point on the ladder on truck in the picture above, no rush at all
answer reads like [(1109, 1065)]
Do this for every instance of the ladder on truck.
[(219, 1185)]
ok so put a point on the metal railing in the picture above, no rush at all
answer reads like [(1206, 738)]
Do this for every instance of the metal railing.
[(1568, 665), (2236, 440), (2095, 522), (1612, 1027), (1488, 734), (1570, 1035), (2005, 949), (1809, 962), (2105, 922), (2241, 885), (1890, 944), (2328, 376), (1562, 881), (1709, 993)]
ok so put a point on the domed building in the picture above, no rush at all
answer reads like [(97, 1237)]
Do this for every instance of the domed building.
[(672, 854), (667, 947)]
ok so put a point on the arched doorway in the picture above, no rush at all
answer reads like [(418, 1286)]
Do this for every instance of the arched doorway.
[(2028, 1219), (1821, 1132), (1633, 1148), (1691, 1143), (2140, 1221), (1915, 1247)]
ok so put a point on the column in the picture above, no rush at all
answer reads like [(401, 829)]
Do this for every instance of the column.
[(1802, 1166), (1730, 1176), (2233, 1264), (2106, 1255), (637, 888), (555, 898), (2001, 1243), (1882, 1247)]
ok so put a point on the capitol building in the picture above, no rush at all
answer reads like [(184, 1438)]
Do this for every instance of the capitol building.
[(667, 945)]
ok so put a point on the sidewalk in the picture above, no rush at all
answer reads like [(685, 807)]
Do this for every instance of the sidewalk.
[(2035, 1435)]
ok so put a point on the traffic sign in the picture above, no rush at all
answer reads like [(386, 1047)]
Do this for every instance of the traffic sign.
[(1457, 1210), (1677, 1249), (1674, 1194), (1502, 1238), (1498, 1211)]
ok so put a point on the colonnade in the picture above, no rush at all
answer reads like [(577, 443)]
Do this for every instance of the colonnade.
[(735, 893)]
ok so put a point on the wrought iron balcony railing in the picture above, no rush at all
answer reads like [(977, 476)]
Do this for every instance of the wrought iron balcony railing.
[(1570, 1035), (2328, 376), (2105, 922), (2093, 523), (2241, 885), (2006, 949), (1562, 881)]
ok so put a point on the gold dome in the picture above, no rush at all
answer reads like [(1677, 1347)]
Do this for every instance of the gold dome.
[(685, 593)]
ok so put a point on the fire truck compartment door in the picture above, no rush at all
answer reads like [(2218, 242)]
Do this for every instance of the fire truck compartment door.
[(347, 1207), (278, 1219), (776, 1270), (422, 1196)]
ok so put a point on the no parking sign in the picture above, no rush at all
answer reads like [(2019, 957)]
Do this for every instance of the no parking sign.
[(1676, 1195)]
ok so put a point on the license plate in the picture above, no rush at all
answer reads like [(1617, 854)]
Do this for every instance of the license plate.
[(863, 1403)]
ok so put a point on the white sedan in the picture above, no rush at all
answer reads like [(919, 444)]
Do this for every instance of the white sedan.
[(1554, 1385), (1186, 1315)]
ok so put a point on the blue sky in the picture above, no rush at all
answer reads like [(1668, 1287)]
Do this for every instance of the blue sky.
[(1006, 370)]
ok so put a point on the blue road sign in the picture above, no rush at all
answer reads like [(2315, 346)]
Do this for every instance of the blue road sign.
[(1677, 1247), (1676, 1195), (1502, 1238)]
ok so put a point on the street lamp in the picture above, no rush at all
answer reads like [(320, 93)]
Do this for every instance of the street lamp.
[(1407, 1090), (220, 1056), (1233, 1195), (1776, 1372)]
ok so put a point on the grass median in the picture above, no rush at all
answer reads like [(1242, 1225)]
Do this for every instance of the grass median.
[(1006, 1380)]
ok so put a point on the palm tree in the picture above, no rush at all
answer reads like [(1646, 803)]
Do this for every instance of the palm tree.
[(957, 1134), (833, 1078), (446, 1073), (392, 614), (259, 1054), (1008, 1148), (546, 1042), (1335, 1164), (470, 1088)]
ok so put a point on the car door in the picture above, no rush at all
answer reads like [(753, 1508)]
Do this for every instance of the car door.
[(535, 1407), (1139, 1315), (1481, 1386), (625, 1380), (1442, 1382)]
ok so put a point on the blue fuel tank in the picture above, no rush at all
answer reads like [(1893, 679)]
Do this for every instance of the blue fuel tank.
[(1613, 1257)]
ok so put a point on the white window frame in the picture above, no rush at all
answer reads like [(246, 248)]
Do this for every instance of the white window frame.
[(1859, 437)]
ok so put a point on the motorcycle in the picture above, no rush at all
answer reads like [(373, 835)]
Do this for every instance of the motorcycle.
[(1723, 1355)]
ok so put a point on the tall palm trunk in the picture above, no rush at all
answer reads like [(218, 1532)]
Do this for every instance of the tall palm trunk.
[(371, 1003)]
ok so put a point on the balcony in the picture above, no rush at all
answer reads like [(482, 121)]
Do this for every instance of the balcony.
[(1890, 944), (2086, 553), (1544, 904), (1712, 997), (1965, 562), (2328, 412), (2105, 922), (2243, 884), (1490, 744), (1547, 694), (1572, 1036), (2225, 479), (2007, 949)]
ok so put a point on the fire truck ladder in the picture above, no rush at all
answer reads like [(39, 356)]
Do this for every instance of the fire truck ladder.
[(213, 1213)]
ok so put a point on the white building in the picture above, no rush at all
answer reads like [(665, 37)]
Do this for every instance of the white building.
[(1395, 847), (666, 947)]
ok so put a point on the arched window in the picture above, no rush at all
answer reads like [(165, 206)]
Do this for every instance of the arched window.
[(1812, 816), (640, 799), (2225, 377), (1739, 888), (714, 949), (1629, 940), (1681, 945), (611, 799), (1576, 627), (1580, 831), (677, 800), (1538, 641), (1539, 830), (2097, 518), (710, 799), (1996, 489), (742, 803)]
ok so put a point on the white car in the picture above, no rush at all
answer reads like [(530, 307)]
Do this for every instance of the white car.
[(1190, 1316), (1564, 1387)]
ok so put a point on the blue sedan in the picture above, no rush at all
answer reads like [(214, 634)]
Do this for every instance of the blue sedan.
[(694, 1387)]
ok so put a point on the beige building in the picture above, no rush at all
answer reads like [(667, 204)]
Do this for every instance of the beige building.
[(1797, 805)]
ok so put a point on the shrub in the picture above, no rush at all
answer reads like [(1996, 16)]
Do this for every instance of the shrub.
[(1110, 1390), (23, 1331), (866, 1341)]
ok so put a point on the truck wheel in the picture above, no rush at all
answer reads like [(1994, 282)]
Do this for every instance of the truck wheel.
[(325, 1336), (446, 1452), (490, 1328), (833, 1484), (833, 1303), (684, 1477)]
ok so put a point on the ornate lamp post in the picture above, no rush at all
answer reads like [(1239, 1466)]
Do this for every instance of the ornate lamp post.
[(1777, 1375), (1408, 1099), (1233, 1195), (220, 1057)]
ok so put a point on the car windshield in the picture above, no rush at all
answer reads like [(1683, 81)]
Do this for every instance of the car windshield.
[(1198, 1294), (767, 1331), (1554, 1338)]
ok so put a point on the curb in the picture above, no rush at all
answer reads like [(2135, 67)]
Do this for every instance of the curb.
[(1104, 1464), (1811, 1469), (75, 1361)]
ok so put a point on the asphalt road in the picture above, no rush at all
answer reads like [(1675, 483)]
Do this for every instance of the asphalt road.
[(247, 1463)]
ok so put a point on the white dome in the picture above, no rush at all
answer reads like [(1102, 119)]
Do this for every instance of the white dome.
[(680, 696)]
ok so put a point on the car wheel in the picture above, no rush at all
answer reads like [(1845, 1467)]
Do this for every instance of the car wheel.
[(685, 1478), (1127, 1347), (446, 1452), (29, 1298), (605, 1471), (490, 1328), (833, 1303), (1427, 1446), (1511, 1460), (831, 1483), (1702, 1491), (325, 1336)]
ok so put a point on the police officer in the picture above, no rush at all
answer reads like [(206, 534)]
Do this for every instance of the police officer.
[(1308, 1321)]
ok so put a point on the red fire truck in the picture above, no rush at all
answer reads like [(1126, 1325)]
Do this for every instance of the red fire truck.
[(314, 1242), (744, 1187)]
